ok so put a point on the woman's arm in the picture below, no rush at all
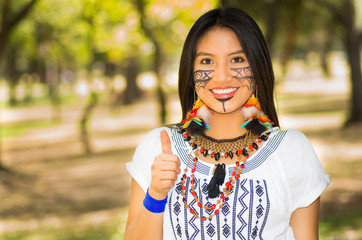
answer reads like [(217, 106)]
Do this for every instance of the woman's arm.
[(141, 223), (304, 222)]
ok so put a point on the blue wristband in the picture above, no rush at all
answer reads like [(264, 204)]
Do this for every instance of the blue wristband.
[(154, 205)]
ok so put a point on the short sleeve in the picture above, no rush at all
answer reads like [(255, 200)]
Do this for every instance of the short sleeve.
[(140, 166), (304, 173)]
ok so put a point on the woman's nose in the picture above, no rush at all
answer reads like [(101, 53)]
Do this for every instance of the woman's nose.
[(222, 73)]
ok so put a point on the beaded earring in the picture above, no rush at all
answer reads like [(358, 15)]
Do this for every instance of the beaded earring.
[(196, 120), (255, 119)]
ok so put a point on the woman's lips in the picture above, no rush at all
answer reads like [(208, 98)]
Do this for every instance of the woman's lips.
[(223, 92)]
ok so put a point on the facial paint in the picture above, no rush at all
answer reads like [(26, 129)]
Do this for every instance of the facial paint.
[(244, 74), (202, 78), (223, 101)]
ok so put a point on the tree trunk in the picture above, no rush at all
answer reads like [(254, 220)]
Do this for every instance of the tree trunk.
[(291, 35), (9, 22), (356, 104), (12, 76), (3, 168), (160, 93), (7, 25), (271, 24), (28, 89), (52, 78), (352, 43), (324, 63), (157, 63), (132, 91), (84, 122)]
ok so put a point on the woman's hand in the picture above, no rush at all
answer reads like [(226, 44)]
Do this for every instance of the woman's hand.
[(164, 169)]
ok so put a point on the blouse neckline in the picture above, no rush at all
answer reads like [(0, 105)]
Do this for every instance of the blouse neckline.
[(205, 168)]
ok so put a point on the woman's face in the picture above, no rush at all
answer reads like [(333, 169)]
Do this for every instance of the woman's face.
[(222, 74)]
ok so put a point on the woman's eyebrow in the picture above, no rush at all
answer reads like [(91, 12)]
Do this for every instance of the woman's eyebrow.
[(204, 54), (210, 54), (237, 52)]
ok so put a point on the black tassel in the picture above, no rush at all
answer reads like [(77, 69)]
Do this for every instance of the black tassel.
[(216, 181), (255, 127)]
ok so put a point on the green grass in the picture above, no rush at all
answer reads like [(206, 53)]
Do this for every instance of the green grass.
[(312, 104), (39, 101), (45, 100), (14, 129), (338, 224), (90, 232), (74, 229), (10, 130)]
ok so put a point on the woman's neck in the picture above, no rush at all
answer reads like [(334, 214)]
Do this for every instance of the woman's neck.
[(226, 126)]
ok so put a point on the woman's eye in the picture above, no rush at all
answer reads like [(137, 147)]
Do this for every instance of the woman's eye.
[(206, 61), (237, 60)]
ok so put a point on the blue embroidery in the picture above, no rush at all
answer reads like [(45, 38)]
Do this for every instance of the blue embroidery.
[(243, 210), (266, 212), (178, 188), (193, 225), (246, 221), (226, 209), (255, 232), (177, 208), (210, 229), (226, 230), (250, 207), (178, 230), (243, 216)]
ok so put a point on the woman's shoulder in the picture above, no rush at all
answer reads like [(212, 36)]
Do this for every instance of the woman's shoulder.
[(295, 148), (294, 133), (291, 142), (290, 132), (292, 136), (286, 134), (299, 139)]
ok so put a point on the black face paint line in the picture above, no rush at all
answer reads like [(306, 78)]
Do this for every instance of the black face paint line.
[(244, 74), (202, 78), (223, 100)]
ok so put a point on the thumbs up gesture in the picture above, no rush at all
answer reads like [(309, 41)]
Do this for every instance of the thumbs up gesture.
[(165, 169)]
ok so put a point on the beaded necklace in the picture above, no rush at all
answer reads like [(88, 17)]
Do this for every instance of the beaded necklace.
[(249, 143), (224, 147)]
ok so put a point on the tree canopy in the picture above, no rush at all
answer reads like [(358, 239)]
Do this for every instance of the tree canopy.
[(46, 38)]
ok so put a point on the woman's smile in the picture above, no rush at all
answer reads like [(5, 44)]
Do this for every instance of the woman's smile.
[(223, 92)]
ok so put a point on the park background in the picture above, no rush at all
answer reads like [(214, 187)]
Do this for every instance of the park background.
[(81, 82)]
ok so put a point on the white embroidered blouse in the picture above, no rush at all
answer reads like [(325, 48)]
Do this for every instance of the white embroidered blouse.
[(283, 175)]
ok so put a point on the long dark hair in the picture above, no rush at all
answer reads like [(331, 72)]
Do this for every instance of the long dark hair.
[(253, 44)]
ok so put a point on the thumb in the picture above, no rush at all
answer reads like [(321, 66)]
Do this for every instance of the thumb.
[(165, 142)]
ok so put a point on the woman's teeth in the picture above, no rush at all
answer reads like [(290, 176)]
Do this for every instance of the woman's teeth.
[(223, 91)]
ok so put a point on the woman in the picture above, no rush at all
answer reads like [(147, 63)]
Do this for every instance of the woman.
[(226, 171)]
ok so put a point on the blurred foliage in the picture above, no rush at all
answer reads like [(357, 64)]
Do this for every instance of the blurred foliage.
[(62, 41), (69, 31), (110, 37)]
